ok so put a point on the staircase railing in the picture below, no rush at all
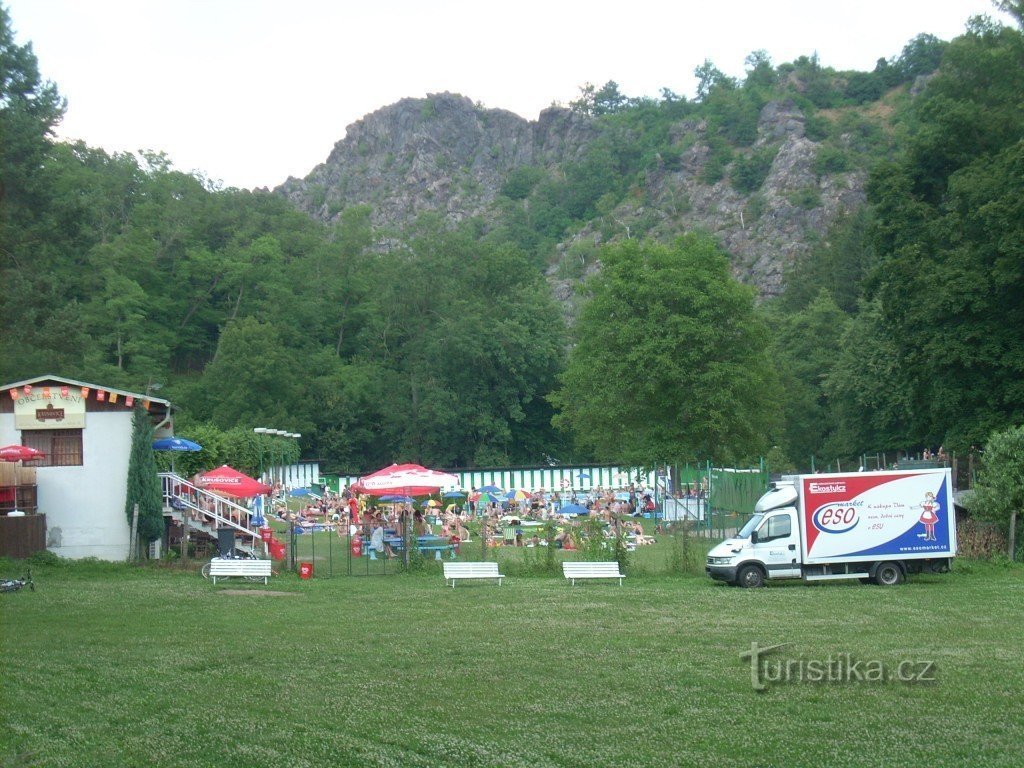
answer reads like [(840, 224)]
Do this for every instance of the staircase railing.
[(204, 506)]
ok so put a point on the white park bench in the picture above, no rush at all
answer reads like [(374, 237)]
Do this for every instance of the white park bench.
[(249, 569), (453, 571), (599, 570)]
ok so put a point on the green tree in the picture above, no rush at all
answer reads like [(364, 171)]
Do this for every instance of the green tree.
[(948, 234), (143, 483), (869, 390), (806, 350), (670, 359), (999, 492)]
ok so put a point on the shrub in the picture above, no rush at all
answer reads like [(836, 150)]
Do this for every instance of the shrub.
[(749, 173)]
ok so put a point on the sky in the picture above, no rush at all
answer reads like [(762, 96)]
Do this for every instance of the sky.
[(250, 92)]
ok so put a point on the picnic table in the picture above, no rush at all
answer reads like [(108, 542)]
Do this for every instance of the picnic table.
[(435, 544)]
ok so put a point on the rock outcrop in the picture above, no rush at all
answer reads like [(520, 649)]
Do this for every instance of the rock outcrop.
[(446, 155)]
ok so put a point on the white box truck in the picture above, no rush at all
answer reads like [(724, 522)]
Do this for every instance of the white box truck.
[(872, 526)]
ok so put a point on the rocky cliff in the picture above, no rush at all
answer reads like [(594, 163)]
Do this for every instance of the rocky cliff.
[(447, 155)]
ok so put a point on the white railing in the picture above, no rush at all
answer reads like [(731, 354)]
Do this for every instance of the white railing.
[(206, 507)]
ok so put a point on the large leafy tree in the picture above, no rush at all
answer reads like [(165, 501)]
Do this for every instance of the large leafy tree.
[(806, 349), (670, 359), (949, 236)]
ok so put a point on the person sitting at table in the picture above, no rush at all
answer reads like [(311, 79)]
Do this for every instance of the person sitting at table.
[(419, 525), (377, 542)]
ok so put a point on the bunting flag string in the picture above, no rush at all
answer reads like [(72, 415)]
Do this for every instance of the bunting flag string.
[(113, 397), (64, 390), (101, 396), (85, 393), (129, 401), (46, 393), (14, 394)]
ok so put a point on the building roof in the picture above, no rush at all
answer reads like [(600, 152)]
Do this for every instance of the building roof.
[(76, 383)]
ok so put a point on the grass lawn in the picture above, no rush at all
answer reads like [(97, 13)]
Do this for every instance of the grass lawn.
[(115, 665)]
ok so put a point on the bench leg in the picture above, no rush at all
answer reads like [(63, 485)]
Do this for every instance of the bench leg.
[(437, 554)]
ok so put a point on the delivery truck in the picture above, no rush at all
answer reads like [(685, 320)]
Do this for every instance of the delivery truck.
[(873, 526)]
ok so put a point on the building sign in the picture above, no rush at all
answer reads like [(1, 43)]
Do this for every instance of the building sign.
[(49, 408)]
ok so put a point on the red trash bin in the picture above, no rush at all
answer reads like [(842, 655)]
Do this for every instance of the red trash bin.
[(277, 549), (305, 570), (266, 534)]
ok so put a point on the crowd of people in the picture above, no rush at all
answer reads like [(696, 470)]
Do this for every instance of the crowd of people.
[(381, 524)]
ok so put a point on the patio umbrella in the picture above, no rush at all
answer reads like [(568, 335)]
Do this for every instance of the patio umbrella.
[(22, 453), (573, 509), (453, 495), (19, 453), (490, 489), (177, 445), (517, 495), (406, 479), (232, 482), (395, 499), (484, 497)]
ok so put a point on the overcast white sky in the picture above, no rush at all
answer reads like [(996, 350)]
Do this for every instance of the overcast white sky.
[(250, 92)]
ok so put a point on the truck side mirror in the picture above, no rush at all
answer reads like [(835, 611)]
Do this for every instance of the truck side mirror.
[(753, 537)]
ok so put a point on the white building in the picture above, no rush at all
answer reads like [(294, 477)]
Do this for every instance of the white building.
[(85, 430)]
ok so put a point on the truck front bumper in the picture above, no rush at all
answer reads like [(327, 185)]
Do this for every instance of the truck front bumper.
[(721, 572)]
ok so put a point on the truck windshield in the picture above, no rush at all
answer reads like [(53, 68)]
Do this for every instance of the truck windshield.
[(747, 529)]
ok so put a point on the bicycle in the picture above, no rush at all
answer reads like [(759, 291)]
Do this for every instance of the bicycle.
[(13, 585), (238, 554)]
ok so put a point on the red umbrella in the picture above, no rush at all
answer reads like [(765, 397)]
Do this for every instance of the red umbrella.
[(404, 479), (19, 453), (232, 482)]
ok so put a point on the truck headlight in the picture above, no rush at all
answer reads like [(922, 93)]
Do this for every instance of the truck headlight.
[(719, 560)]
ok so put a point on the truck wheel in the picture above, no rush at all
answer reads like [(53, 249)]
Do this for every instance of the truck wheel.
[(888, 575), (750, 577)]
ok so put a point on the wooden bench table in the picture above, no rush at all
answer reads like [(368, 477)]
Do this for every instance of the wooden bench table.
[(599, 570), (454, 571), (250, 569)]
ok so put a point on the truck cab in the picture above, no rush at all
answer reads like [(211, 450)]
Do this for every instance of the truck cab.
[(767, 547)]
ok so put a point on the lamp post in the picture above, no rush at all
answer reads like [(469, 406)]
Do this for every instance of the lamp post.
[(260, 431)]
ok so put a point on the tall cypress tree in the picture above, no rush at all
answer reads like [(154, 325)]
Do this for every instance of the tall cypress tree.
[(143, 482)]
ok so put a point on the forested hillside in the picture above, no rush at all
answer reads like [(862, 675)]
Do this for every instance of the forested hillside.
[(848, 276)]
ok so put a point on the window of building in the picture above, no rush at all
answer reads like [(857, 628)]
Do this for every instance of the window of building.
[(63, 447)]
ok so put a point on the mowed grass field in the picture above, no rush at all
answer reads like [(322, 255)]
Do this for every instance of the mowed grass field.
[(117, 665)]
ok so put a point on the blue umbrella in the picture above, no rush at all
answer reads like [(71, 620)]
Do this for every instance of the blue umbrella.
[(453, 495), (176, 444), (573, 509), (179, 444), (490, 489), (399, 499), (257, 512)]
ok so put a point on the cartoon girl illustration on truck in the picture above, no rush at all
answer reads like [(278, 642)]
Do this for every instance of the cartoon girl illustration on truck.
[(929, 516)]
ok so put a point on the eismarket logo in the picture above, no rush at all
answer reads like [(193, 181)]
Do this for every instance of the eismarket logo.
[(770, 667)]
